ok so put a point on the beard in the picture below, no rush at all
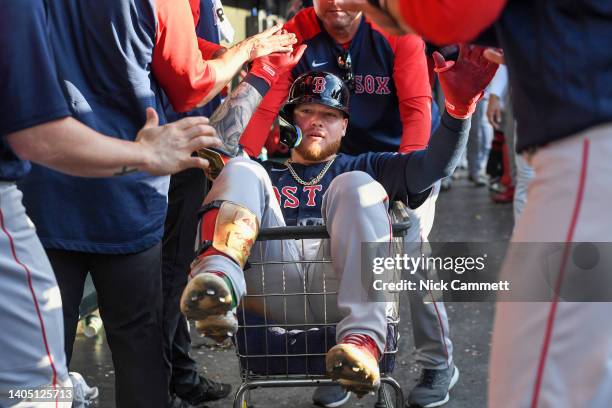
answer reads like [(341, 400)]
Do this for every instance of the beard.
[(316, 153)]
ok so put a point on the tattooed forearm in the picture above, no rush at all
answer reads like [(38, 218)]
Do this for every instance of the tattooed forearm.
[(232, 117), (126, 170)]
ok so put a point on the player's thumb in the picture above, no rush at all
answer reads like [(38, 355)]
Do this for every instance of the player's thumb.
[(152, 119), (441, 64)]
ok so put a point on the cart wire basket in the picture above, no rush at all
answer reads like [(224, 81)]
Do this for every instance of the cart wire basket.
[(287, 321)]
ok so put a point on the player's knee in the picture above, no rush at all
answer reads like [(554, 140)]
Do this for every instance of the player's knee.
[(244, 163), (350, 180), (358, 188), (242, 167)]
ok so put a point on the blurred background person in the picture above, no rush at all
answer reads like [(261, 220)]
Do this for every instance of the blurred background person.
[(499, 114)]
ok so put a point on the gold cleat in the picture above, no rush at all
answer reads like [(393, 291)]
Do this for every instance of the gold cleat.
[(207, 294), (354, 364)]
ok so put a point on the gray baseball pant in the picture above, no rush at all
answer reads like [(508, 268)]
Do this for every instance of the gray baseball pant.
[(558, 353), (355, 211), (430, 328), (32, 339)]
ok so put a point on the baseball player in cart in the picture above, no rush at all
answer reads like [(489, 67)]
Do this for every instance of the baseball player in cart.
[(350, 194)]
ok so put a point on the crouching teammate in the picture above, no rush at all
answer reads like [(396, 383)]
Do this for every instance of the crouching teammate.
[(350, 193)]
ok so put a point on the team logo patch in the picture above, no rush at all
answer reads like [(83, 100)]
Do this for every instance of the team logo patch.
[(318, 84)]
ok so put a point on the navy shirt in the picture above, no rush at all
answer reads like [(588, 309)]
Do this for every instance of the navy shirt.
[(103, 53), (558, 56), (560, 66), (405, 177), (29, 91)]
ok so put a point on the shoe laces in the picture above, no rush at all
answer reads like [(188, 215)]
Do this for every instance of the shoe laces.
[(362, 340), (428, 378)]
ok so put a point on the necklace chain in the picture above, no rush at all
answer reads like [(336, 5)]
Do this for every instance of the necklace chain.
[(314, 180)]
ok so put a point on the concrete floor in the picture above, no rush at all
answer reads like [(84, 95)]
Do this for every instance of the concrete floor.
[(464, 214)]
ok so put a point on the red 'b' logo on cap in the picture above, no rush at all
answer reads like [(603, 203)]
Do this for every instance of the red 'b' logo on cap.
[(318, 84)]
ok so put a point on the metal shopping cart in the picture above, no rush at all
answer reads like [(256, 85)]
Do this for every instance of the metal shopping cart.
[(275, 350)]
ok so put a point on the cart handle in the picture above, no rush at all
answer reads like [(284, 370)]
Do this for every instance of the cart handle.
[(314, 231)]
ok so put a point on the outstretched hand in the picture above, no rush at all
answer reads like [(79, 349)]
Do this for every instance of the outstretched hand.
[(169, 147), (464, 81), (272, 66), (269, 41)]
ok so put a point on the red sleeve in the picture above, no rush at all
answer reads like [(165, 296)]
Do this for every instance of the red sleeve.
[(305, 26), (195, 11), (416, 123), (450, 21), (208, 49), (254, 136), (411, 80), (177, 61)]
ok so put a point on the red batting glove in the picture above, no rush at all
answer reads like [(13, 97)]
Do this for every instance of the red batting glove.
[(464, 81), (271, 67)]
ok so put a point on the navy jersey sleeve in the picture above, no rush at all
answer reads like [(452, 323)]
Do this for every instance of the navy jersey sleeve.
[(29, 90), (408, 177)]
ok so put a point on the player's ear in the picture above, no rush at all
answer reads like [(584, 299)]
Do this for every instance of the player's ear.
[(344, 126)]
